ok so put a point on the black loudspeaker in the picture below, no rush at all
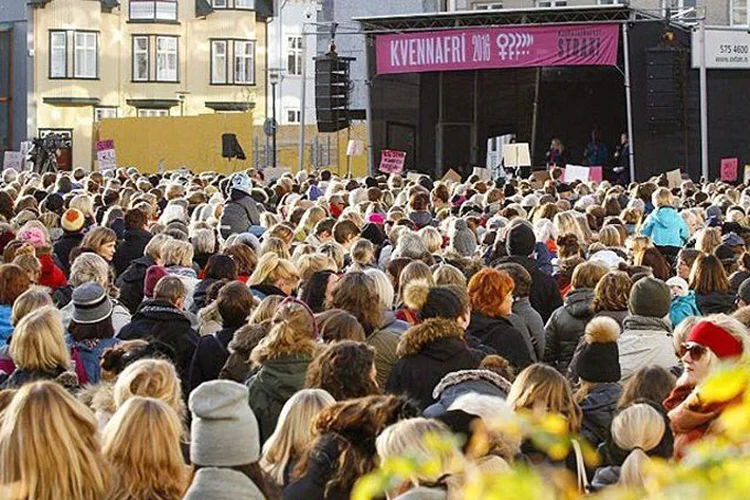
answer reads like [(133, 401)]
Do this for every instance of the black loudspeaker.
[(230, 148), (332, 92), (666, 87)]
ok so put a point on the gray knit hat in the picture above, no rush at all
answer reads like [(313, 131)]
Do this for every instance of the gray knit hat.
[(462, 239), (90, 304), (224, 431), (650, 297)]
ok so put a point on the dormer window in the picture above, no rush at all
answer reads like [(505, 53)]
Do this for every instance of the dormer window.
[(153, 11), (233, 4)]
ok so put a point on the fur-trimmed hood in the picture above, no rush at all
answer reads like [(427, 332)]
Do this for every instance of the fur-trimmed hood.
[(417, 337), (100, 398), (462, 376)]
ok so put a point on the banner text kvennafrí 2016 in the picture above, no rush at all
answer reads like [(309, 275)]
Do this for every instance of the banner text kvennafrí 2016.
[(498, 47)]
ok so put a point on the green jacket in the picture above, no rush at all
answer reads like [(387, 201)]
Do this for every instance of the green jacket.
[(272, 385), (384, 342)]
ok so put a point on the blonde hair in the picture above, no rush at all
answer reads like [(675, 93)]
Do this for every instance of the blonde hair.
[(431, 238), (541, 388), (32, 299), (409, 438), (414, 272), (662, 197), (271, 268), (637, 429), (293, 431), (610, 237), (312, 263), (84, 203), (707, 239), (312, 216), (155, 246), (363, 252), (97, 237), (50, 444), (31, 266), (335, 252), (142, 442), (567, 223), (89, 267), (39, 341), (153, 378), (292, 330), (266, 309), (275, 246), (177, 253)]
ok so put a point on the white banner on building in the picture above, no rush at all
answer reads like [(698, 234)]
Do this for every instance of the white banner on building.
[(725, 49)]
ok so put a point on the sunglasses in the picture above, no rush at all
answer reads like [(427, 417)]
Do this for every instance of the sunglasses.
[(696, 350)]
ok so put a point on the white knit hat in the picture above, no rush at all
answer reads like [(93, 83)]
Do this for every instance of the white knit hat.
[(224, 431)]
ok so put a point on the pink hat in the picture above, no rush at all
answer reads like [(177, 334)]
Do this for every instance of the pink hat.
[(376, 218), (33, 235), (153, 275)]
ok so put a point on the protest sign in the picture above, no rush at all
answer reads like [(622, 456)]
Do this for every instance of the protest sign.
[(747, 174), (516, 155), (392, 162), (576, 173), (355, 148), (596, 174), (484, 174), (674, 178), (105, 155), (451, 176), (729, 169)]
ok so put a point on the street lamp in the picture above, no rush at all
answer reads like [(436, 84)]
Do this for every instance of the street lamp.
[(273, 77)]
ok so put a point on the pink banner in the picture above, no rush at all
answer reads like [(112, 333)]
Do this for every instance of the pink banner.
[(498, 47), (392, 162)]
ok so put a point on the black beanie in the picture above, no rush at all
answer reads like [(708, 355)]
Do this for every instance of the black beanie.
[(520, 240), (599, 359), (373, 233)]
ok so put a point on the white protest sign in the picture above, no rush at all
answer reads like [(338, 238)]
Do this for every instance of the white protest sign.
[(576, 173), (355, 148), (14, 160), (484, 174), (516, 155), (105, 155), (674, 178)]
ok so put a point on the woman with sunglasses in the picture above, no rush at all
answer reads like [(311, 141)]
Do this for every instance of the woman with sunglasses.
[(713, 340)]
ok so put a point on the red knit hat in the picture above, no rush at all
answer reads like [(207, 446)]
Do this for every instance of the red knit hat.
[(153, 275)]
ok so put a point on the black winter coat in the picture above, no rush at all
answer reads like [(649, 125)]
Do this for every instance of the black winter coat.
[(565, 327), (130, 248), (499, 334), (161, 321), (199, 295), (427, 352), (62, 248), (598, 409), (68, 379), (544, 294), (210, 355), (716, 303), (131, 281), (323, 464)]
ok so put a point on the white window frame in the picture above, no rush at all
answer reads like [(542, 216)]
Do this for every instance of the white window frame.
[(244, 62), (294, 55), (244, 4), (167, 59), (552, 3), (219, 62), (487, 6), (152, 113), (293, 115), (105, 113), (738, 6), (143, 53), (153, 10), (58, 69), (86, 45), (220, 4)]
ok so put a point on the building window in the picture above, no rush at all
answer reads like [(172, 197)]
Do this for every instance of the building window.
[(166, 58), (233, 4), (150, 113), (293, 116), (740, 12), (58, 54), (487, 6), (294, 55), (85, 61), (153, 10), (140, 58), (220, 4), (244, 62), (104, 113), (608, 2), (244, 4), (218, 62), (552, 3)]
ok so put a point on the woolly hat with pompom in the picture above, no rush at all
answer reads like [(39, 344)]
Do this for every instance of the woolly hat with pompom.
[(599, 359), (432, 302)]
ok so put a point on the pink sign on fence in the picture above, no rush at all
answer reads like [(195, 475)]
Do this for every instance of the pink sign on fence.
[(392, 162), (497, 47), (729, 169)]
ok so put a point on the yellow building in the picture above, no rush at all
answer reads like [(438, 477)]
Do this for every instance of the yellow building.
[(100, 59)]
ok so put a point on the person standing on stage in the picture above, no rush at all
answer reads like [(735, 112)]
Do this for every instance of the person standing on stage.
[(596, 152), (622, 161), (556, 154)]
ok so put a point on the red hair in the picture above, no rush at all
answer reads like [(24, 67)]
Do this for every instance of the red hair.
[(488, 289)]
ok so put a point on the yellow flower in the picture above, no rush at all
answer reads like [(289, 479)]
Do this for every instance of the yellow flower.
[(555, 424), (724, 385)]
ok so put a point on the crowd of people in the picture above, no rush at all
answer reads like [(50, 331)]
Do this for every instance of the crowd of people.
[(208, 336)]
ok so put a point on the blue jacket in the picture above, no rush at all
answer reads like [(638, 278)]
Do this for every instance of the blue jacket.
[(6, 329), (666, 228), (91, 355), (682, 308)]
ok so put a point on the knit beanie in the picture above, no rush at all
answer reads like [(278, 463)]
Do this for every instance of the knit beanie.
[(462, 239), (650, 297), (599, 359), (153, 275), (224, 430), (520, 240), (373, 233), (744, 291)]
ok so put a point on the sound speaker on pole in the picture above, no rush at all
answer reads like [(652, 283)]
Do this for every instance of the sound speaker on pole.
[(332, 86), (230, 147)]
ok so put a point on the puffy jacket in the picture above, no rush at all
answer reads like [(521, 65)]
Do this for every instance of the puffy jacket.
[(130, 248), (499, 334), (598, 409), (130, 282), (458, 383), (683, 308), (666, 228), (90, 354), (427, 352), (200, 293), (715, 303), (6, 328), (566, 326), (272, 385), (544, 294), (645, 341), (240, 212)]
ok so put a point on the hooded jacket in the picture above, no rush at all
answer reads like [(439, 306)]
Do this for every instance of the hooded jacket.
[(533, 320), (666, 228), (566, 326), (130, 248), (240, 212), (130, 282), (499, 334), (645, 341), (458, 383), (598, 409), (427, 352), (222, 484), (715, 303), (682, 308), (163, 322), (272, 385)]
